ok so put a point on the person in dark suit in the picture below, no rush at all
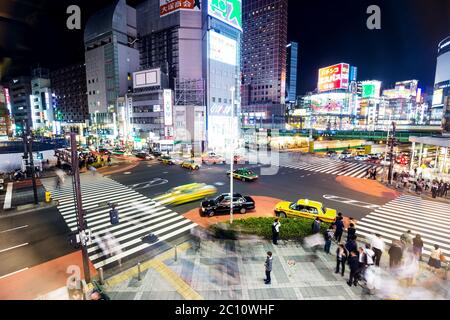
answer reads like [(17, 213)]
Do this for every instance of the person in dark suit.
[(339, 223), (351, 231), (353, 262), (315, 228), (351, 244)]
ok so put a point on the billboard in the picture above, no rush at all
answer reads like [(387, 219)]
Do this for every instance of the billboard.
[(222, 49), (227, 11), (334, 103), (438, 97), (334, 77), (167, 7), (147, 78), (168, 108), (370, 89)]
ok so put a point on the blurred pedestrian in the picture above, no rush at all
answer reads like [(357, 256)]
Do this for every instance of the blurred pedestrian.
[(377, 244), (341, 259), (268, 267), (276, 231), (407, 239), (395, 254), (109, 160), (435, 258), (418, 247), (315, 228)]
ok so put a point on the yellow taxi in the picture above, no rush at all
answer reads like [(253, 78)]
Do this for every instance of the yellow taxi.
[(190, 164), (186, 193), (305, 208)]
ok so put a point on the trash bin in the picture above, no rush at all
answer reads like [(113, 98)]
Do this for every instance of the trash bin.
[(48, 197)]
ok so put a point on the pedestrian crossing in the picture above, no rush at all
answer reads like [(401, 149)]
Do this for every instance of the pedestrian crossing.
[(139, 217), (428, 218), (326, 165)]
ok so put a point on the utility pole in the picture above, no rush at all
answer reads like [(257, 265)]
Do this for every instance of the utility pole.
[(392, 142), (28, 139), (232, 156), (79, 204)]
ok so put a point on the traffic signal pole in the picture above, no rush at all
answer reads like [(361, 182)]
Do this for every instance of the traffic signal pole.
[(391, 165), (28, 139), (79, 205)]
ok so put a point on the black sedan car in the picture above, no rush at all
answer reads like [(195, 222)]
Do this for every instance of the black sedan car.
[(221, 205)]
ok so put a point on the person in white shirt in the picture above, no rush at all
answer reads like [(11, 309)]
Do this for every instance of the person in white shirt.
[(276, 231), (377, 245), (370, 254)]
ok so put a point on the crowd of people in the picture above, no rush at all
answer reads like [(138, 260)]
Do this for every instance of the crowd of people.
[(363, 261), (416, 183)]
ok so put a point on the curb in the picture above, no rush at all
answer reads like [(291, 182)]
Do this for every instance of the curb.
[(25, 209)]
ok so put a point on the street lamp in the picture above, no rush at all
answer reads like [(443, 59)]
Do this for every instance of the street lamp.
[(232, 89)]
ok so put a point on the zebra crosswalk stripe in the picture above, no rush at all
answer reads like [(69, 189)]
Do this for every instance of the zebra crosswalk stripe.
[(423, 217), (139, 217), (327, 166)]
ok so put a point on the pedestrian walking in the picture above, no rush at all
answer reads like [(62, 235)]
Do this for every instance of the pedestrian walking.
[(328, 235), (407, 239), (339, 224), (418, 247), (351, 245), (276, 231), (395, 254), (435, 258), (353, 263), (351, 231), (341, 259), (377, 244), (316, 226), (369, 255), (109, 160), (268, 266)]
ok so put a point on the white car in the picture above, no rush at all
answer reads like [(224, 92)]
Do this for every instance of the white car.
[(363, 157)]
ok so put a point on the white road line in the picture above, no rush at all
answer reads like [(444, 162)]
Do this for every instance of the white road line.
[(8, 196), (14, 229), (15, 247), (13, 273)]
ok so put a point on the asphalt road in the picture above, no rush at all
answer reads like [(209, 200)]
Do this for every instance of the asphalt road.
[(152, 179), (30, 239)]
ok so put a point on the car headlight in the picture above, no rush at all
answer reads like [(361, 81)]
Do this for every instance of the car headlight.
[(203, 209)]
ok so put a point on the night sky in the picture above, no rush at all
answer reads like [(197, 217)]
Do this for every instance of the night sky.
[(328, 32)]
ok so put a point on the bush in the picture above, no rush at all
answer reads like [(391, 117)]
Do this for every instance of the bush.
[(291, 229)]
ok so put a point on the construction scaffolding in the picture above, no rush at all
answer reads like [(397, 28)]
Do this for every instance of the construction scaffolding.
[(190, 92)]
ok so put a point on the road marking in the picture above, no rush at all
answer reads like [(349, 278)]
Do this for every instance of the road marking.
[(13, 273), (15, 247), (150, 184), (351, 202), (8, 197), (14, 229), (127, 173), (219, 184)]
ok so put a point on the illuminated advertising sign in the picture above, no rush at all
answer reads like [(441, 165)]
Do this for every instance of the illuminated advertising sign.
[(438, 97), (168, 108), (334, 77), (330, 103), (222, 49), (371, 89), (228, 11), (171, 6)]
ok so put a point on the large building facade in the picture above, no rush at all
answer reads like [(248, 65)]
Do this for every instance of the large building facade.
[(292, 70), (264, 60), (111, 57), (70, 93), (441, 98), (41, 99), (20, 91)]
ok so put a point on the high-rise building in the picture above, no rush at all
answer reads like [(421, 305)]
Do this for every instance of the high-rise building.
[(20, 91), (70, 93), (111, 57), (292, 67), (42, 113), (441, 97), (264, 60), (5, 114)]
